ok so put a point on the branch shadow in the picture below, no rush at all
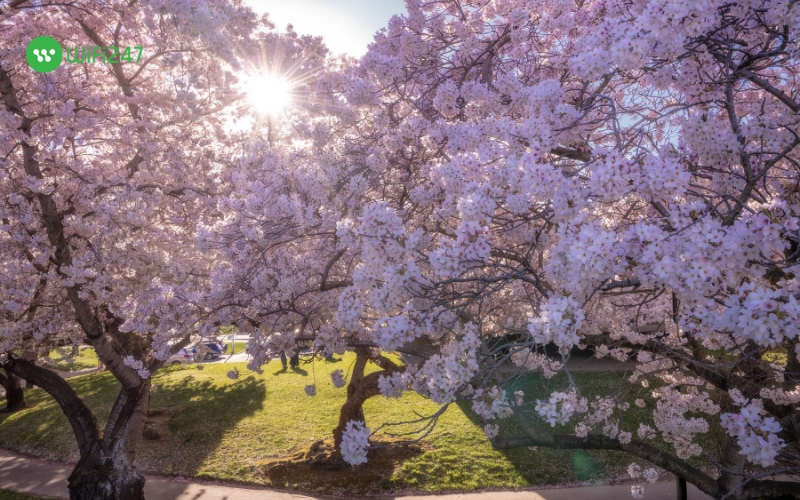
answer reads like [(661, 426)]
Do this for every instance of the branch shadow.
[(542, 465), (194, 413), (41, 430), (299, 371)]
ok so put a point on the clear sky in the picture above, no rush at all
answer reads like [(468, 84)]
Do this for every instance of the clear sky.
[(346, 25)]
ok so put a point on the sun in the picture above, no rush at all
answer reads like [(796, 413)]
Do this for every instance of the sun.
[(269, 94)]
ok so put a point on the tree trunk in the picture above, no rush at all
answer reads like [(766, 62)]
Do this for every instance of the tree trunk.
[(732, 468), (105, 470), (101, 475), (15, 396), (360, 389), (353, 408)]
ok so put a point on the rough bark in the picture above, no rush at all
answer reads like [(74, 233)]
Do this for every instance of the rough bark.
[(101, 475), (731, 475), (105, 470), (15, 396), (360, 389)]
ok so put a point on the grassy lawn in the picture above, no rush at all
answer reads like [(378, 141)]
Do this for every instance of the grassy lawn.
[(240, 347), (64, 361), (220, 428)]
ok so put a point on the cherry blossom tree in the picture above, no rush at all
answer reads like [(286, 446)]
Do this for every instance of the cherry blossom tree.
[(106, 170), (621, 174), (280, 268)]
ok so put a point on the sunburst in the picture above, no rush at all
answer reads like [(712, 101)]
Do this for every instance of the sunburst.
[(269, 94)]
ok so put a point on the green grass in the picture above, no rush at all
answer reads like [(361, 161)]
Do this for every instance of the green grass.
[(221, 428), (64, 361), (13, 495), (240, 347), (776, 356)]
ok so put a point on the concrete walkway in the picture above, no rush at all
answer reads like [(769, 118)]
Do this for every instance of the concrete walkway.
[(32, 476)]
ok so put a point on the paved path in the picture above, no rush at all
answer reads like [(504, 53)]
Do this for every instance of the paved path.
[(35, 477)]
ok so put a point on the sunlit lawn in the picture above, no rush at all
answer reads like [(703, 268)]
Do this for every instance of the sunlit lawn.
[(240, 347), (64, 361), (221, 428)]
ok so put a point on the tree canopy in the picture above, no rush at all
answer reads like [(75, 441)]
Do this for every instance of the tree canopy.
[(492, 177)]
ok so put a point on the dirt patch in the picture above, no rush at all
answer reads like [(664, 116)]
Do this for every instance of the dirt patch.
[(315, 467), (156, 426)]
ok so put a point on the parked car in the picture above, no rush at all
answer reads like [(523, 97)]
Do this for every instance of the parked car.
[(214, 350), (221, 343), (183, 357)]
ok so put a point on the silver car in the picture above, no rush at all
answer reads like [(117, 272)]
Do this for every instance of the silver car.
[(183, 357)]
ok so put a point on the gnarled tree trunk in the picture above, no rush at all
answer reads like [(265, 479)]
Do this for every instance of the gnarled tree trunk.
[(15, 396), (360, 389), (106, 468), (105, 475), (106, 471)]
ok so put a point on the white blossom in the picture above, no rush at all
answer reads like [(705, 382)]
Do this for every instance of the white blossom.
[(355, 442)]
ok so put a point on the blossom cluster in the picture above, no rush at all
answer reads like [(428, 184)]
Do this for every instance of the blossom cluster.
[(490, 403), (560, 407), (755, 434), (672, 422), (443, 374), (392, 386), (137, 365), (355, 442), (558, 322)]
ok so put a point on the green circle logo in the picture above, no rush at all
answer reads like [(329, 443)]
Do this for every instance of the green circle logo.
[(43, 54)]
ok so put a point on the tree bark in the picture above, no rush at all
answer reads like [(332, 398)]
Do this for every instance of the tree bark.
[(105, 470), (15, 396), (104, 475), (357, 393), (360, 389)]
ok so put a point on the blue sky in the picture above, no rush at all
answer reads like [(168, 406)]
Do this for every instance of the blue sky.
[(346, 25)]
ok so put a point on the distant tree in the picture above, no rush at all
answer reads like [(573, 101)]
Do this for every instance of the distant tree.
[(279, 267)]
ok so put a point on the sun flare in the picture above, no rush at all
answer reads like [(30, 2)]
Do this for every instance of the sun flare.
[(269, 94)]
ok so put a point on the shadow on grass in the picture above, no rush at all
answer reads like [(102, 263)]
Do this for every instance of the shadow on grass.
[(190, 414), (293, 369), (542, 465), (194, 413), (42, 429)]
